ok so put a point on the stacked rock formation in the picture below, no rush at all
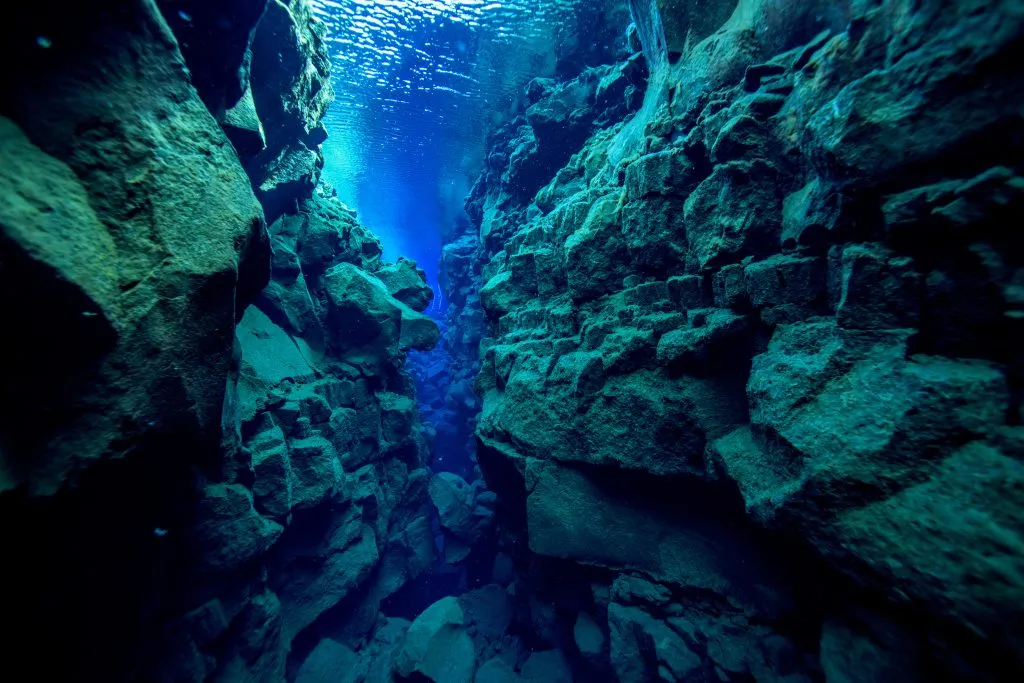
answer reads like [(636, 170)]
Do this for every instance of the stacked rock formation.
[(751, 386)]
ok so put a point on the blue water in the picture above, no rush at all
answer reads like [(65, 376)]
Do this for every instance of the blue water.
[(419, 84)]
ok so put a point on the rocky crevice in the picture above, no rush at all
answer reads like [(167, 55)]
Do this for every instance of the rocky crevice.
[(740, 310)]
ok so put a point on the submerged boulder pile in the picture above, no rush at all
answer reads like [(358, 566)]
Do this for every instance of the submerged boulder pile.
[(751, 381)]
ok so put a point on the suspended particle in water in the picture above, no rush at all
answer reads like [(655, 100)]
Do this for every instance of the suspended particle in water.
[(185, 16), (43, 42)]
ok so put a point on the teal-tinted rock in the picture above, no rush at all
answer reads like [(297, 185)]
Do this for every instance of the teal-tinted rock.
[(663, 173), (398, 419), (953, 540), (291, 89), (437, 646), (851, 653), (735, 212), (810, 214), (407, 283), (496, 670), (272, 469), (286, 299), (741, 137), (588, 635), (878, 290), (785, 280), (191, 249), (452, 497), (592, 253), (643, 646), (332, 662), (489, 611), (502, 294), (712, 333), (231, 532), (269, 355), (47, 218), (307, 588), (655, 232), (816, 336), (879, 124), (243, 127), (316, 471), (363, 314), (419, 332)]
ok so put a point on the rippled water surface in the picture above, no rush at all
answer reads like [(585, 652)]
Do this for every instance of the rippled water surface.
[(419, 83)]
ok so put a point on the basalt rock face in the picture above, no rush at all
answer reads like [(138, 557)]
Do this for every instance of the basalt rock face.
[(131, 242), (291, 90), (215, 37), (262, 68), (748, 381), (321, 509), (210, 455)]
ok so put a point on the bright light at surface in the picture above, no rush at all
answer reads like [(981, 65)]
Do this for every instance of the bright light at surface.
[(419, 84)]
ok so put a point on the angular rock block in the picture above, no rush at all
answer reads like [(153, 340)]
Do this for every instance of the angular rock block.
[(407, 283), (362, 313), (437, 647)]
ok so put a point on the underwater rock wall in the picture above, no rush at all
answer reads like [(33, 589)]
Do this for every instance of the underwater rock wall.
[(751, 378), (210, 454), (330, 449)]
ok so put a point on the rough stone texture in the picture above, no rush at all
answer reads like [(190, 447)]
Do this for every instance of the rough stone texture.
[(332, 662), (336, 519), (216, 38), (131, 243), (763, 329), (407, 283), (291, 90), (194, 484), (437, 647), (464, 511), (330, 434)]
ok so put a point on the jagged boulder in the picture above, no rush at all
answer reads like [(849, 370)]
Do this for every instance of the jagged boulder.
[(593, 254), (242, 125), (465, 512), (231, 531), (588, 636), (407, 283), (548, 666), (496, 670), (291, 91), (783, 289), (215, 38), (437, 647), (197, 253), (362, 313), (327, 232)]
